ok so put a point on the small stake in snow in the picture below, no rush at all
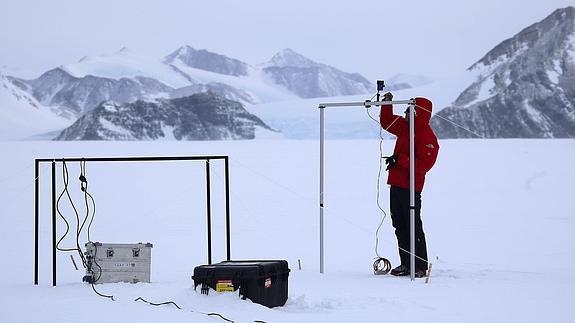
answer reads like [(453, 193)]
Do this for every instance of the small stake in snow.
[(299, 264), (73, 262), (428, 273)]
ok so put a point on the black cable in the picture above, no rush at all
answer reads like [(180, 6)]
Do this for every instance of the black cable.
[(157, 304), (176, 305), (84, 188), (62, 216), (94, 279), (381, 266), (65, 177), (93, 214), (100, 294), (78, 227), (220, 316)]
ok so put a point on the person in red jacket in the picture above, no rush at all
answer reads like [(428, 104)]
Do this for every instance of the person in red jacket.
[(426, 149)]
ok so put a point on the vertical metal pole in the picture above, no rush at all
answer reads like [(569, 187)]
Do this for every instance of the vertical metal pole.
[(412, 190), (36, 218), (321, 180), (209, 211), (229, 256), (53, 223)]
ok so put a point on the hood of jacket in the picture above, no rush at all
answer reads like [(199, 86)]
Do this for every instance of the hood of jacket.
[(424, 107)]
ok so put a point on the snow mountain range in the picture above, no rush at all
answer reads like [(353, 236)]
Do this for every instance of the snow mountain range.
[(522, 88), (70, 91), (126, 77)]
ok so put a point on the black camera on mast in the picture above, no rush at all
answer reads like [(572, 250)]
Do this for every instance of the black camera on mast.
[(380, 86)]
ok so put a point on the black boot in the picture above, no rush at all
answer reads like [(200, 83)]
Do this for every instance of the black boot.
[(400, 270), (420, 273)]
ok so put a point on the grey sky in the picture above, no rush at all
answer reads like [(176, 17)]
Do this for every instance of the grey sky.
[(374, 38)]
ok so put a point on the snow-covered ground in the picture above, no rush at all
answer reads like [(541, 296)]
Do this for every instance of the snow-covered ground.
[(497, 213)]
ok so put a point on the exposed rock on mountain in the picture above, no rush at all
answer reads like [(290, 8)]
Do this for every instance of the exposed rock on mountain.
[(74, 96), (203, 116), (220, 89), (523, 88), (309, 79), (206, 60)]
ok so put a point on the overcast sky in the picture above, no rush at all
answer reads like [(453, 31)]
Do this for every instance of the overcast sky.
[(375, 38)]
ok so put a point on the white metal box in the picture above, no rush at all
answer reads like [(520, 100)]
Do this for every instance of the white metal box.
[(115, 262)]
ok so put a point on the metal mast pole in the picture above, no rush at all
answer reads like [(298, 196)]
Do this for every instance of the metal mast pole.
[(36, 217), (412, 191), (228, 225), (53, 223), (321, 152), (209, 211)]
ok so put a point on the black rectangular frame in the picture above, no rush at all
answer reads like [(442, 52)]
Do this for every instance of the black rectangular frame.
[(53, 161)]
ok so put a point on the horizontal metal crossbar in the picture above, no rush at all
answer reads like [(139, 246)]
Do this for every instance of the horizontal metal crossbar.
[(132, 159), (363, 104)]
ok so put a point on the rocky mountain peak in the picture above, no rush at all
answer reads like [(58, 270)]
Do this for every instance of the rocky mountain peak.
[(58, 72), (559, 24), (51, 79), (206, 60), (289, 57), (309, 79), (182, 52)]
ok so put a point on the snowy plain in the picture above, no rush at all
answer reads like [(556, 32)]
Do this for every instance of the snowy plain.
[(498, 215)]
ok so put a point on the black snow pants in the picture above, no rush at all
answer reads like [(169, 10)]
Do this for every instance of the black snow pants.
[(399, 206)]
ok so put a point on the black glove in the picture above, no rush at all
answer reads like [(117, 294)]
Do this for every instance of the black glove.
[(391, 161), (388, 96)]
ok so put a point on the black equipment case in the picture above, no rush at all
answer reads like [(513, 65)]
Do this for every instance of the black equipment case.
[(262, 281)]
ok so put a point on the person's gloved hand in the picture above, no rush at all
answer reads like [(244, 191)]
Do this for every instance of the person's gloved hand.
[(388, 96), (391, 161)]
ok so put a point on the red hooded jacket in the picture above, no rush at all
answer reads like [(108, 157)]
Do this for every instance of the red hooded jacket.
[(426, 146)]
